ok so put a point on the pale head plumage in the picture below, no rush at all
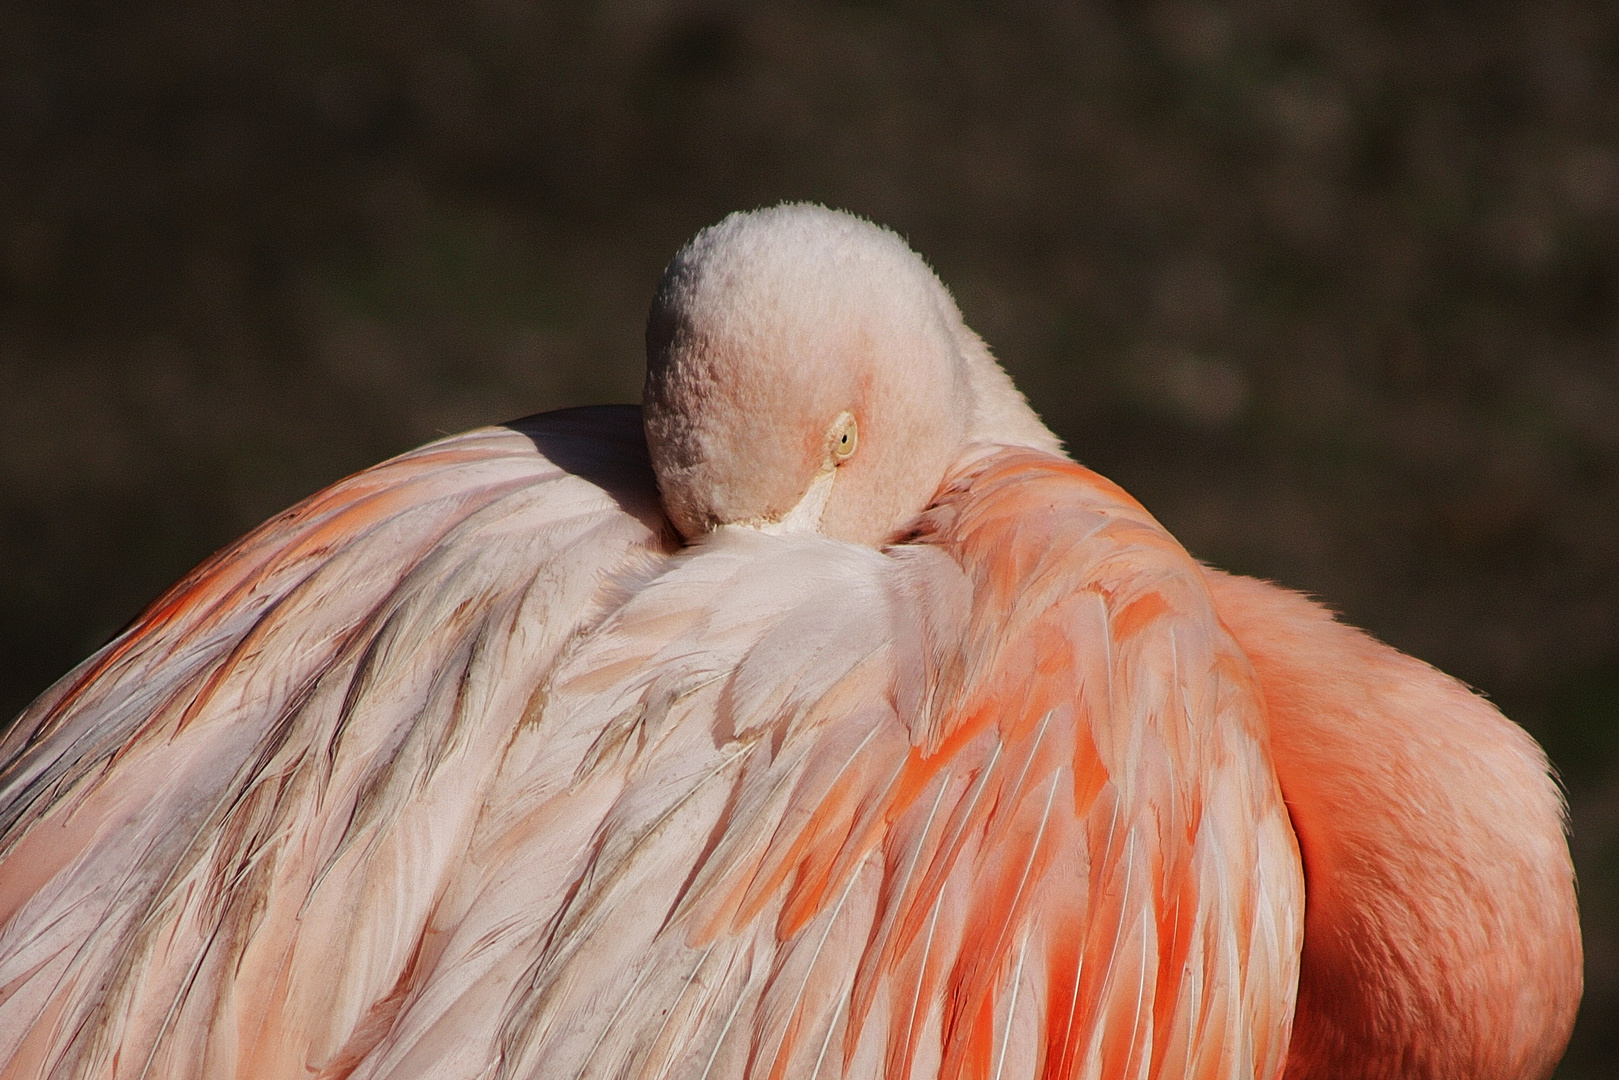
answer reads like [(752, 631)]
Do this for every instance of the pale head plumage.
[(770, 332)]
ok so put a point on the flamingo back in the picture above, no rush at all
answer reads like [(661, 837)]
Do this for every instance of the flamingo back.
[(224, 832), (1442, 936), (461, 769), (993, 803)]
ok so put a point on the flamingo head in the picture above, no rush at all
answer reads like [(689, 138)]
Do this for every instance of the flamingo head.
[(806, 371)]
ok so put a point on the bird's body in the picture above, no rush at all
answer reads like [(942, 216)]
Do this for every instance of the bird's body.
[(930, 753)]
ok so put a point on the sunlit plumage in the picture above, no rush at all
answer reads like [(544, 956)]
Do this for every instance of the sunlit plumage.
[(837, 725)]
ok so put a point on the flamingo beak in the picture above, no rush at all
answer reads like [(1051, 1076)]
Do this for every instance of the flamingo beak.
[(805, 517)]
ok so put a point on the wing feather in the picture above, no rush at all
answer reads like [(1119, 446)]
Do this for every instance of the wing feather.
[(192, 817), (457, 771), (790, 856)]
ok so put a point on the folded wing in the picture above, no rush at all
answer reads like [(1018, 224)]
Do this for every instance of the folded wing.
[(224, 833), (456, 770), (994, 803)]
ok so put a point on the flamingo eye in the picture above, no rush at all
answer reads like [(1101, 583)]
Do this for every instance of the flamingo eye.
[(845, 434)]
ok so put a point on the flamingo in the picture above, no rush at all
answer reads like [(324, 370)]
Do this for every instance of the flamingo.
[(820, 718)]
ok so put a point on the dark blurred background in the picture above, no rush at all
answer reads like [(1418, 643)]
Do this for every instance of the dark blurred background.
[(1332, 287)]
